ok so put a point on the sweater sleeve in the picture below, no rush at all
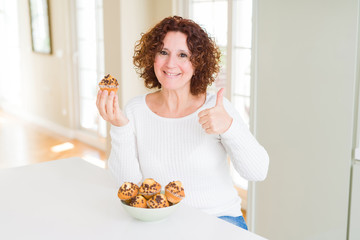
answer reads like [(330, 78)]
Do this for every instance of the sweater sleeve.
[(123, 160), (249, 158)]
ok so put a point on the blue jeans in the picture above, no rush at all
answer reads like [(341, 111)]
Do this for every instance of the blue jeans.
[(237, 221)]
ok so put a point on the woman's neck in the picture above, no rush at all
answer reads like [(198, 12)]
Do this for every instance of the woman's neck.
[(175, 103)]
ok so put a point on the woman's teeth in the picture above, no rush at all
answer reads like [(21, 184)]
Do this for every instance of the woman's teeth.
[(171, 74)]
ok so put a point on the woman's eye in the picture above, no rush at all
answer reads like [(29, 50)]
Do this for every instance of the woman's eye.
[(163, 53), (183, 55)]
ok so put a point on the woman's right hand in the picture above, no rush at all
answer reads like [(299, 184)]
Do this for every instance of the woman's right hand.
[(109, 109)]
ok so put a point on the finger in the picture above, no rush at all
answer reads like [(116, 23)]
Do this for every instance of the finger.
[(219, 98), (102, 106), (203, 120), (98, 98), (203, 113), (116, 106), (209, 131), (110, 105), (206, 126)]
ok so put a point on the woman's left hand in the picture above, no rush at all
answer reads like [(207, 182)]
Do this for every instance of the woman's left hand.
[(215, 120)]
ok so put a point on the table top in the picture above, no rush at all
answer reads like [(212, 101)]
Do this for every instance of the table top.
[(73, 199)]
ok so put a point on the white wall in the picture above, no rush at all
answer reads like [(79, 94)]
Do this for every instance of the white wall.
[(45, 78), (306, 63)]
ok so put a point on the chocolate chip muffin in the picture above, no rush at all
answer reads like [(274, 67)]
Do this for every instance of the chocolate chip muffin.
[(138, 201), (109, 83), (174, 192), (149, 188), (128, 190), (158, 201)]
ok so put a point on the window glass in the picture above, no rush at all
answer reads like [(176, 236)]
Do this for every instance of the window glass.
[(90, 55), (86, 23), (10, 54), (88, 109), (212, 16), (243, 106), (242, 69), (242, 57), (87, 83), (243, 23)]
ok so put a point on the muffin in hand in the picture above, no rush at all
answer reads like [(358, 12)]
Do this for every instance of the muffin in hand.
[(109, 83)]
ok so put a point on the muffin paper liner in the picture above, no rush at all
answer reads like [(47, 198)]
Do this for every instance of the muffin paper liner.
[(176, 195)]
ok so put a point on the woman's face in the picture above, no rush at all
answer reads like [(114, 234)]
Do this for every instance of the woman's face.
[(172, 64)]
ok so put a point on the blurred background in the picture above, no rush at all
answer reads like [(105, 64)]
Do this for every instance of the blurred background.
[(289, 67)]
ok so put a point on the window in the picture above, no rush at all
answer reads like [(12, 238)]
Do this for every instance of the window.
[(242, 25), (10, 54), (90, 64), (230, 23)]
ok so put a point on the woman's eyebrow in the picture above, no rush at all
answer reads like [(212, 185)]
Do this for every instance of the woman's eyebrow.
[(180, 50)]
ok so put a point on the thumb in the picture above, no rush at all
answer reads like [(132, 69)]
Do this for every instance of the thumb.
[(219, 99)]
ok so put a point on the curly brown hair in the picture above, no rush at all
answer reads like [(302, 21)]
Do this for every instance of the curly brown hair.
[(205, 54)]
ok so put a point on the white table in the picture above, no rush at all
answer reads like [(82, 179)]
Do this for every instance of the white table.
[(73, 199)]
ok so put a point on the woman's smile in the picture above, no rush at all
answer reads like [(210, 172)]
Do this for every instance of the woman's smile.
[(172, 74)]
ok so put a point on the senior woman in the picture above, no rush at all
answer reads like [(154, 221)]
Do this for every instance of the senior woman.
[(181, 132)]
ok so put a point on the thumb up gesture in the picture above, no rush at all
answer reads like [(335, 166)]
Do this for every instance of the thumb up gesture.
[(215, 120)]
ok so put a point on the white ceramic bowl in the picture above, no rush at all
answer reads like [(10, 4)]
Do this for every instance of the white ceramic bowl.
[(150, 214)]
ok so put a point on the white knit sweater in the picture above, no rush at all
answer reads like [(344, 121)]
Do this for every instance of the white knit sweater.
[(168, 149)]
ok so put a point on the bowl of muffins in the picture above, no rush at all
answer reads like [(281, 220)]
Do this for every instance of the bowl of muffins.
[(148, 202)]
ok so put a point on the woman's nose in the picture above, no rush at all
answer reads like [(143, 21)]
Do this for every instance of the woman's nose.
[(171, 61)]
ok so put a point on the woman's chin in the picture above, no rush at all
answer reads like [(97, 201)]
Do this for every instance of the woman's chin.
[(173, 88)]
